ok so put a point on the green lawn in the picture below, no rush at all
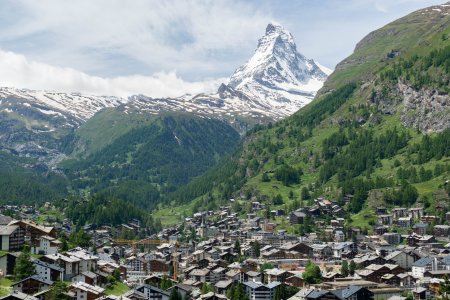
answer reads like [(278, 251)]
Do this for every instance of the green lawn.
[(5, 286), (118, 289), (361, 220), (48, 216), (174, 214)]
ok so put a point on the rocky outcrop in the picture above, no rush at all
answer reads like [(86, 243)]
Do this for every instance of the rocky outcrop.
[(426, 110)]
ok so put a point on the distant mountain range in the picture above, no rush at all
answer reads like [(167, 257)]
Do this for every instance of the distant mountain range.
[(378, 129), (87, 143), (273, 84)]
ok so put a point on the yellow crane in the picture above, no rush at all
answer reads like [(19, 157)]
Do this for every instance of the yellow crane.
[(144, 242)]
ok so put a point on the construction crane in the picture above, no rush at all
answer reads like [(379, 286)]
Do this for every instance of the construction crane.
[(144, 242)]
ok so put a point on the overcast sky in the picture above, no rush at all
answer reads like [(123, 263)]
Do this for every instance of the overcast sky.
[(168, 48)]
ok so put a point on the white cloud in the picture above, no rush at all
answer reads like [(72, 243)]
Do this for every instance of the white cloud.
[(187, 36), (17, 71)]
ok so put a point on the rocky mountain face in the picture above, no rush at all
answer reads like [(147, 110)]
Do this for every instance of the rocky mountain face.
[(427, 110)]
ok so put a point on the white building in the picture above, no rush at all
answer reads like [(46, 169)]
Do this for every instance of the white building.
[(48, 271), (260, 291), (88, 262), (421, 266), (47, 245)]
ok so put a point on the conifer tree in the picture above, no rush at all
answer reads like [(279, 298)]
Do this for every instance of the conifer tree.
[(24, 266)]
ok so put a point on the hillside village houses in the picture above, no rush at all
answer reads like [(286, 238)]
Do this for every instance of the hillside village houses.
[(387, 263)]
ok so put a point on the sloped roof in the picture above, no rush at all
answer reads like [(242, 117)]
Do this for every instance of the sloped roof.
[(347, 292), (20, 295), (423, 262), (393, 255), (7, 229), (223, 284)]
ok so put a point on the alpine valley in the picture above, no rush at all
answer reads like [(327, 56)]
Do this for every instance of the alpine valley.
[(290, 182), (84, 144)]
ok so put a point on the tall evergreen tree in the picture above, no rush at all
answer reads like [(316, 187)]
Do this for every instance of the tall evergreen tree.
[(352, 268), (24, 267), (256, 248), (175, 295), (237, 247), (344, 268)]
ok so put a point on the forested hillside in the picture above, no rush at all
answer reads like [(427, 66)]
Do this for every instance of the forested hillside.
[(22, 185), (151, 159), (378, 132)]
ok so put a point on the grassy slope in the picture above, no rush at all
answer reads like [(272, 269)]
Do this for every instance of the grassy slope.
[(106, 126), (117, 289), (415, 33)]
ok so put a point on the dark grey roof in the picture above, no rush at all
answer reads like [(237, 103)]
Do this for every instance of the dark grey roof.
[(316, 294), (47, 265), (273, 284), (347, 292), (423, 262), (37, 278), (420, 225), (446, 260), (392, 255), (341, 245)]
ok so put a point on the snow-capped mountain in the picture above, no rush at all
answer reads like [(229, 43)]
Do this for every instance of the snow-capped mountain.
[(273, 84), (277, 75)]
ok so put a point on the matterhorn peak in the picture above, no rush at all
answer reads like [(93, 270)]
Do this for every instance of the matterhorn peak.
[(276, 36), (274, 83), (274, 27), (277, 74)]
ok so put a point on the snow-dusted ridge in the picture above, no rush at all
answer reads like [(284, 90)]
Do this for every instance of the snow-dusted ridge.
[(78, 106)]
